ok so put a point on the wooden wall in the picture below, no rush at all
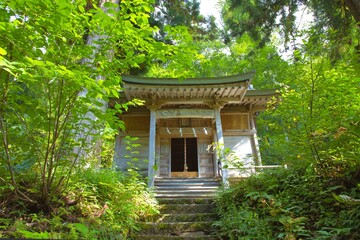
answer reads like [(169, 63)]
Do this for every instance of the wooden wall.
[(137, 154), (206, 160), (235, 121), (139, 123), (237, 137)]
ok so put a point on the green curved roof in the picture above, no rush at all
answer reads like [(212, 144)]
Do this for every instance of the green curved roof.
[(264, 92), (188, 81)]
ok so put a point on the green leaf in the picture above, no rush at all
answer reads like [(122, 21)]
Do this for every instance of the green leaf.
[(2, 51), (346, 199), (81, 9)]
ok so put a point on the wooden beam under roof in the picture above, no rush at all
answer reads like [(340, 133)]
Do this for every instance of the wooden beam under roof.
[(229, 89)]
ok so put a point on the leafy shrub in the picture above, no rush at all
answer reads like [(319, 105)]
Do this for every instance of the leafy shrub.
[(97, 204), (287, 204)]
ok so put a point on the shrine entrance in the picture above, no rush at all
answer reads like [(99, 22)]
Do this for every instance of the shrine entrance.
[(184, 157)]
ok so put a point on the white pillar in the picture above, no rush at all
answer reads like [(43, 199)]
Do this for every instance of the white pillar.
[(220, 140), (255, 143), (216, 158), (152, 148), (157, 153)]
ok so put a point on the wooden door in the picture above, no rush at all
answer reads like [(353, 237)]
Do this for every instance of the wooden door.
[(206, 160)]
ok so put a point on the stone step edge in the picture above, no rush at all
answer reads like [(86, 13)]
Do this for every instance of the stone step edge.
[(173, 228), (186, 200), (175, 223), (187, 181), (161, 217), (164, 237), (186, 185), (190, 178), (178, 187), (178, 181), (192, 193), (165, 196), (177, 205), (187, 190)]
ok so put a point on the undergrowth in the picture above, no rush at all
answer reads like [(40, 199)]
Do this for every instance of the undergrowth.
[(290, 204), (97, 204)]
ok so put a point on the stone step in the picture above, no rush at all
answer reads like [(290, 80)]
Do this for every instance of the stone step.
[(176, 228), (182, 195), (193, 236), (186, 217), (201, 180), (178, 185), (186, 186), (187, 190), (187, 182), (186, 201), (185, 208)]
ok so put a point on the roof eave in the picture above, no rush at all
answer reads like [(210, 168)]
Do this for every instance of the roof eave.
[(246, 77)]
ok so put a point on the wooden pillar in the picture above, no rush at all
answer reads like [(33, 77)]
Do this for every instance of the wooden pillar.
[(254, 140), (157, 153), (152, 147), (220, 140), (216, 158)]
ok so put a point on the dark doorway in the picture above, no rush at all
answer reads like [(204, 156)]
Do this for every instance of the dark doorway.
[(181, 147), (177, 154)]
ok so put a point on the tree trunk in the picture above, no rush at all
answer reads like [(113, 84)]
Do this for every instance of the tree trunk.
[(87, 134), (354, 7)]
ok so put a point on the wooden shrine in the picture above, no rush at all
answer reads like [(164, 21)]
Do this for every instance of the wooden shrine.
[(180, 118)]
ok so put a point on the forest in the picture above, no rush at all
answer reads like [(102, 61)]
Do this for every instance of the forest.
[(61, 63)]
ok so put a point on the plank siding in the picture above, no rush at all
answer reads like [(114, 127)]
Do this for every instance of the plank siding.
[(136, 123), (137, 156), (164, 164), (235, 121), (206, 161)]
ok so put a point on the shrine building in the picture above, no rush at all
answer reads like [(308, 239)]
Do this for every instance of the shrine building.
[(182, 118)]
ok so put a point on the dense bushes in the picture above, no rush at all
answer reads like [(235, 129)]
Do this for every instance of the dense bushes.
[(102, 204), (290, 204)]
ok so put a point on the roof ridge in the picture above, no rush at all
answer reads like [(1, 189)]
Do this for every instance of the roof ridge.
[(189, 81)]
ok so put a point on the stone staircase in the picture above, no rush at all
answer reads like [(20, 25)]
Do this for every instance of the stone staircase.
[(186, 210), (186, 187)]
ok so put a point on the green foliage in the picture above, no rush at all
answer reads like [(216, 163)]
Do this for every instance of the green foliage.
[(226, 157), (118, 200), (98, 204), (60, 63), (346, 199), (286, 204), (180, 64), (317, 120), (333, 20), (183, 13)]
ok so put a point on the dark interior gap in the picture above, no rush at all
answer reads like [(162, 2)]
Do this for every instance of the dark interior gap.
[(178, 153)]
